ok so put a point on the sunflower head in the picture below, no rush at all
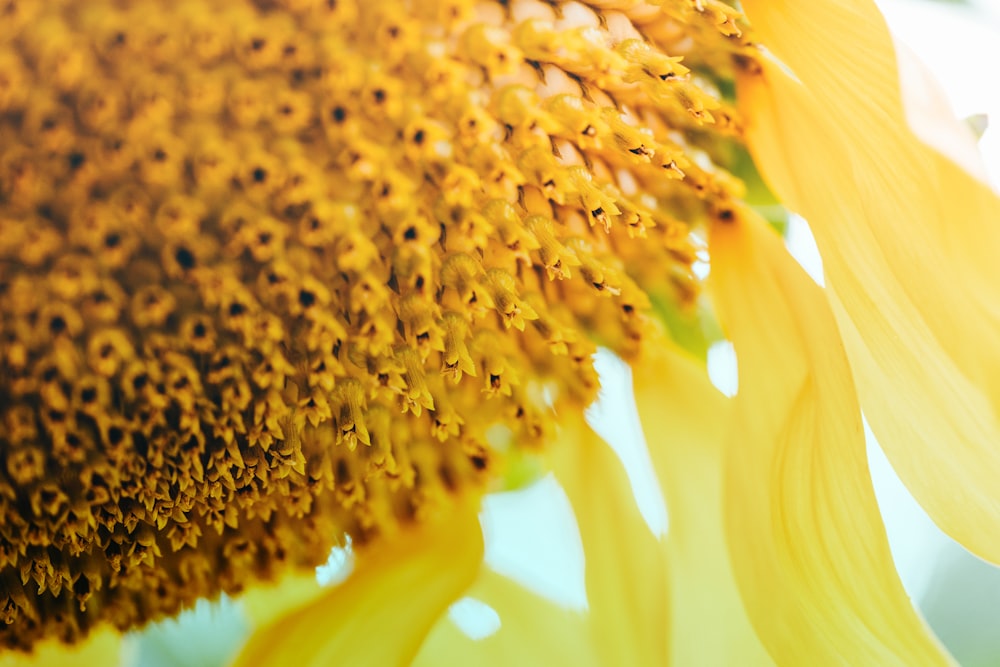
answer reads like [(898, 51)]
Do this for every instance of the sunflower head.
[(277, 272)]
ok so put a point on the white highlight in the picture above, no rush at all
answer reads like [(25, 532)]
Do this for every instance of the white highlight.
[(532, 538), (722, 367), (700, 269), (476, 619), (615, 417), (337, 567), (802, 246)]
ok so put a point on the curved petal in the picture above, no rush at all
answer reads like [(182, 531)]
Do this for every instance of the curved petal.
[(627, 604), (855, 70), (103, 647), (807, 541), (875, 100), (684, 419), (381, 614), (625, 565), (533, 631), (263, 603), (909, 242)]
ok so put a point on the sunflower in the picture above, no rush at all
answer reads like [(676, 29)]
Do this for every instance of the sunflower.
[(278, 276)]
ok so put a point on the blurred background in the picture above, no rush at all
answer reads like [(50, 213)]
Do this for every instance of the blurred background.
[(958, 594)]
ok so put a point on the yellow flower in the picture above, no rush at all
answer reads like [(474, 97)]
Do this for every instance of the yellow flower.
[(279, 274)]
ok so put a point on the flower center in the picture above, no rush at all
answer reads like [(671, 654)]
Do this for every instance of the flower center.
[(273, 272)]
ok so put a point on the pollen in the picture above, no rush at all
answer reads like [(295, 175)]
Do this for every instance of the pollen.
[(271, 271)]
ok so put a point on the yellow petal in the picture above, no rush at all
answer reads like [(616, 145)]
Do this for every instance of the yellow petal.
[(102, 647), (843, 54), (625, 567), (533, 631), (626, 621), (261, 604), (804, 530), (854, 69), (684, 419), (381, 614), (909, 242)]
